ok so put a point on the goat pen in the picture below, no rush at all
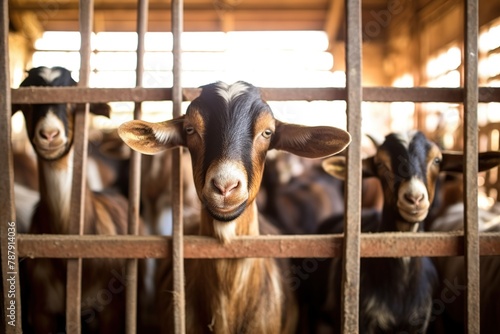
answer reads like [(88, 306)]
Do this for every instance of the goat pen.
[(352, 246)]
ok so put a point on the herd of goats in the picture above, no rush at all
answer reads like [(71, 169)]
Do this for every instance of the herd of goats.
[(408, 185)]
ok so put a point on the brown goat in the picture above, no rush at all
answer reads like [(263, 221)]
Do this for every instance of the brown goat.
[(228, 130), (396, 294), (50, 130)]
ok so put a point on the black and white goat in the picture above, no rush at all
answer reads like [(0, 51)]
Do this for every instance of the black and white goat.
[(450, 294), (50, 129), (395, 293), (228, 130)]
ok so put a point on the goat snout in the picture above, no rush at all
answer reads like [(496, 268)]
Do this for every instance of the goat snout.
[(226, 187), (49, 134), (414, 198)]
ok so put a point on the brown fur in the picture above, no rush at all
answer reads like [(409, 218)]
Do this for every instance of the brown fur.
[(104, 214), (231, 295), (44, 280)]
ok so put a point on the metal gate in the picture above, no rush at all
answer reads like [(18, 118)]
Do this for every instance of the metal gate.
[(352, 246)]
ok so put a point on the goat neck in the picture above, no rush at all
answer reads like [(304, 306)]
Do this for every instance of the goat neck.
[(55, 184), (246, 224)]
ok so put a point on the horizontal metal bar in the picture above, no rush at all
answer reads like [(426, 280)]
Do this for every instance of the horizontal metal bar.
[(372, 245), (90, 95), (370, 94)]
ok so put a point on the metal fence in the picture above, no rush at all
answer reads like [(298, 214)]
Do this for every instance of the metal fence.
[(352, 246)]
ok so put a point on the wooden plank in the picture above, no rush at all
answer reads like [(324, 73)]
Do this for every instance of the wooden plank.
[(351, 260), (436, 244), (11, 301), (333, 22), (472, 263)]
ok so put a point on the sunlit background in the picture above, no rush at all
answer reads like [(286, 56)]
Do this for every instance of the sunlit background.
[(265, 59)]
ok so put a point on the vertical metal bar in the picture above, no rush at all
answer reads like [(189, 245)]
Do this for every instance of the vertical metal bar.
[(78, 191), (135, 177), (177, 233), (351, 258), (471, 165), (11, 305)]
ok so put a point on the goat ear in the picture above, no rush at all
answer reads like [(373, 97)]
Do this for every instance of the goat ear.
[(152, 138), (102, 109), (453, 161), (488, 160), (24, 108), (336, 167), (309, 142)]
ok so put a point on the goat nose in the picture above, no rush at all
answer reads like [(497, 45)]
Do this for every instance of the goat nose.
[(227, 187), (414, 198), (49, 135)]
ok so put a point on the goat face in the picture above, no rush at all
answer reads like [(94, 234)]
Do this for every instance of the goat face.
[(407, 165), (228, 129), (228, 132), (50, 126)]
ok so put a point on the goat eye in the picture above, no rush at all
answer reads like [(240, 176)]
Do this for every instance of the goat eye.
[(267, 133), (189, 130), (437, 161)]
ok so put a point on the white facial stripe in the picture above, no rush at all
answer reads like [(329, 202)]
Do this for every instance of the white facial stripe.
[(51, 122), (49, 75), (229, 92), (406, 137)]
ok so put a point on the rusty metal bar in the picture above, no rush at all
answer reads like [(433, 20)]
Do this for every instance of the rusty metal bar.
[(370, 94), (471, 166), (135, 178), (78, 190), (351, 260), (11, 300), (177, 233), (433, 244), (93, 95)]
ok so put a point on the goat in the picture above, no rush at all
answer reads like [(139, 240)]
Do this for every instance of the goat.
[(450, 294), (395, 293), (50, 131), (228, 129)]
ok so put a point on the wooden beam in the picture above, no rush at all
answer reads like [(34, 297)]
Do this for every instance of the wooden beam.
[(333, 20)]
